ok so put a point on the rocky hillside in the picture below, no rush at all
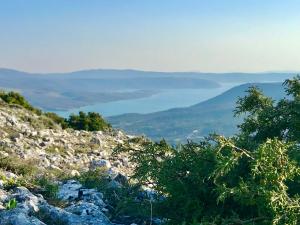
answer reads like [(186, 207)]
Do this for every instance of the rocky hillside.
[(47, 173)]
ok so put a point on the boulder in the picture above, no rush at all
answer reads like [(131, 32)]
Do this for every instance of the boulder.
[(64, 217), (86, 208), (18, 217), (93, 196), (34, 210), (103, 163), (69, 190)]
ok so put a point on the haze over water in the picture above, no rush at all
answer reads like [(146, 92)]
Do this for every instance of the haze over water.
[(163, 100)]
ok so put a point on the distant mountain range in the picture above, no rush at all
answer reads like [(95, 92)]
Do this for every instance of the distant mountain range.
[(64, 91), (179, 124)]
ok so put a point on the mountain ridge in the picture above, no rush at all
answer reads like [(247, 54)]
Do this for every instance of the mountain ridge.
[(178, 123), (149, 71)]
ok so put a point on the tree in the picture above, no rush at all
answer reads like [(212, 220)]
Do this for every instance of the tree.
[(267, 118), (252, 178)]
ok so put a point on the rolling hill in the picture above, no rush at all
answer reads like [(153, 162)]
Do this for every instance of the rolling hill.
[(178, 124), (65, 91)]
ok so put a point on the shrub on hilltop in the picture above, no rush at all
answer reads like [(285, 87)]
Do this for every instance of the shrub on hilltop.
[(90, 121), (17, 99)]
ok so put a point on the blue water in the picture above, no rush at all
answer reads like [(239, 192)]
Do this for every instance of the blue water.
[(163, 100)]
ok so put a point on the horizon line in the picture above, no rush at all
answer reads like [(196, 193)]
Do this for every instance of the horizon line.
[(148, 71)]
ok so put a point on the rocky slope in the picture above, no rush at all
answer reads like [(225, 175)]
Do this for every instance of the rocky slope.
[(33, 146)]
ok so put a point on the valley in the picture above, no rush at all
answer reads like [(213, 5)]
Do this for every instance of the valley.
[(173, 105), (179, 124)]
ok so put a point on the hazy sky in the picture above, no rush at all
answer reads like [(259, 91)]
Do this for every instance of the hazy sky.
[(161, 35)]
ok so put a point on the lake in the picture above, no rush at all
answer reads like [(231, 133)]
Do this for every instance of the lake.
[(163, 100)]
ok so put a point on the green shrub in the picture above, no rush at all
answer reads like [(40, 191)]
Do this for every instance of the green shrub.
[(267, 118), (94, 179), (91, 122), (252, 178), (49, 189), (202, 182), (17, 99), (11, 204), (122, 200), (57, 119)]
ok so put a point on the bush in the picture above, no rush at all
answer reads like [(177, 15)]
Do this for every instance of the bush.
[(267, 118), (91, 122), (219, 183), (49, 189), (17, 99), (94, 179), (252, 178), (124, 201), (57, 119)]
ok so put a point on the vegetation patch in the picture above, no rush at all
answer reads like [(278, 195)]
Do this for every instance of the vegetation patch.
[(90, 121), (251, 178), (11, 204), (18, 166), (17, 99), (55, 149), (127, 202)]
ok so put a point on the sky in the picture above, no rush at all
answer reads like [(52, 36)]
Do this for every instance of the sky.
[(157, 35)]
